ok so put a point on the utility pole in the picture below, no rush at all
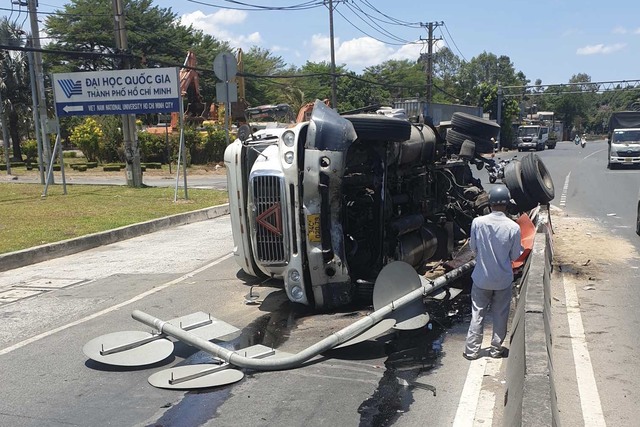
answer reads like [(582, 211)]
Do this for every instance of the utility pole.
[(39, 84), (131, 149), (430, 40), (334, 95), (5, 137)]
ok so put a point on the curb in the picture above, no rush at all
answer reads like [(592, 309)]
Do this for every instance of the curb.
[(24, 257)]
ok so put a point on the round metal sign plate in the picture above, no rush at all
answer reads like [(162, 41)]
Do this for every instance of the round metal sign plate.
[(396, 280), (225, 66), (378, 329), (145, 354), (170, 378)]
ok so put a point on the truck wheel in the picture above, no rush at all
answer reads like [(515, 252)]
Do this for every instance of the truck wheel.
[(536, 179), (380, 128), (513, 181), (473, 125), (482, 145)]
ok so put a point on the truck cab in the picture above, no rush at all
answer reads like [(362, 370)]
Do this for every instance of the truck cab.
[(624, 148), (532, 137)]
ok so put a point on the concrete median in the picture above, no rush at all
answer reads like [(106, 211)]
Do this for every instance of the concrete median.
[(530, 398)]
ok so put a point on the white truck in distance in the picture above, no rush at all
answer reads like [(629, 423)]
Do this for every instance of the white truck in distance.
[(624, 139)]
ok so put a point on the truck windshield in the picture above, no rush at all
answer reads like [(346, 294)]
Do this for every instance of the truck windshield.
[(527, 131), (627, 136)]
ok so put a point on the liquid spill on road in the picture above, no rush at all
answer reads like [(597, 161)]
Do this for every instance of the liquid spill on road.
[(198, 407), (410, 354)]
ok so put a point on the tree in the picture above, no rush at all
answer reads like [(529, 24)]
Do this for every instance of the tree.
[(570, 107), (259, 62), (155, 37), (15, 87), (399, 78), (488, 68)]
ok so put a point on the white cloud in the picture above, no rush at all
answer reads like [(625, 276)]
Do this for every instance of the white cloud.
[(359, 53), (636, 31), (215, 23), (362, 52), (619, 30), (600, 49), (320, 47)]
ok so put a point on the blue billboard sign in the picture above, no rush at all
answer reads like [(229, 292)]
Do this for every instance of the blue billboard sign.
[(140, 91)]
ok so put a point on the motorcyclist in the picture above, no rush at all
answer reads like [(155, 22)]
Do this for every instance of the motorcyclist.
[(583, 140)]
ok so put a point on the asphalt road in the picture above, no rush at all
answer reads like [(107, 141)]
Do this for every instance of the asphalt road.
[(52, 309), (595, 302)]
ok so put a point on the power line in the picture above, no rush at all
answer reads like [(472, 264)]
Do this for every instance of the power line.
[(394, 21), (253, 7), (453, 41), (365, 33), (374, 25)]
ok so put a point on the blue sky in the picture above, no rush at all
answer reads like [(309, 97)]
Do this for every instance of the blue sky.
[(548, 39)]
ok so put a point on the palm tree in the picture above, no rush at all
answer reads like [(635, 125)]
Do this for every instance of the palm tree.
[(14, 83)]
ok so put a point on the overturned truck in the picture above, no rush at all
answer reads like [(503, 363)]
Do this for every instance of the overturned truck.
[(325, 204)]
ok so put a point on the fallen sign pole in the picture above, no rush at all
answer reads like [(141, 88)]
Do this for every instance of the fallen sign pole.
[(295, 360)]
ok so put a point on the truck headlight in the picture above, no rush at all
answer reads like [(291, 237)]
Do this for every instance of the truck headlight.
[(294, 275), (297, 293), (289, 138), (288, 157)]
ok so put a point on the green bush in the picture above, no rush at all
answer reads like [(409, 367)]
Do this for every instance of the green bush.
[(88, 138), (69, 154), (153, 148), (30, 150), (111, 168), (152, 165)]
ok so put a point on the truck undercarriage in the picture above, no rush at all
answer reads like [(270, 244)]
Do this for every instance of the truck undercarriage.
[(326, 204)]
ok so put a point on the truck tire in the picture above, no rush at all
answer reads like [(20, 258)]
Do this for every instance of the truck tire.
[(513, 181), (536, 179), (473, 125), (457, 138), (380, 128)]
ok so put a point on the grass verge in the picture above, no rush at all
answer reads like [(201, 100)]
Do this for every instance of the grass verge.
[(27, 219)]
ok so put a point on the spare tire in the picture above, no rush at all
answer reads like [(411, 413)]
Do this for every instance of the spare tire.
[(482, 145), (375, 127), (513, 180), (474, 125), (536, 179)]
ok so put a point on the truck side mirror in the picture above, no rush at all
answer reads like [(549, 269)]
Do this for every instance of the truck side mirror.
[(244, 132)]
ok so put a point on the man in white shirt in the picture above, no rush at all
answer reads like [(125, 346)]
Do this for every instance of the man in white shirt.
[(495, 239)]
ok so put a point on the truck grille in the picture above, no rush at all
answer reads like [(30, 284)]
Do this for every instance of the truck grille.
[(269, 220)]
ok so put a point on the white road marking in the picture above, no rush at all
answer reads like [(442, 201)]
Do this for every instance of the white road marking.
[(587, 387), (476, 406), (565, 188), (114, 307), (470, 394)]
